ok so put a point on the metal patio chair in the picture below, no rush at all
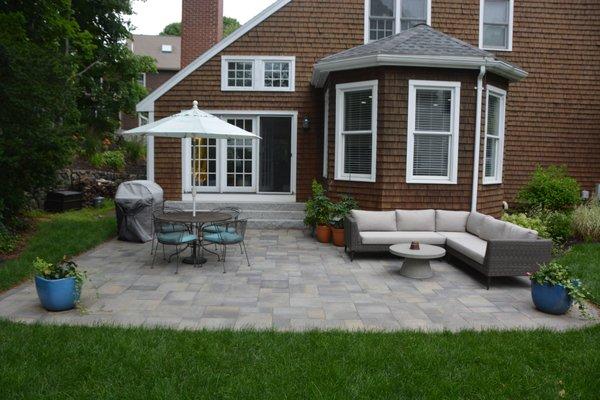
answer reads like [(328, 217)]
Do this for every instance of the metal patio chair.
[(214, 228), (234, 233), (165, 235)]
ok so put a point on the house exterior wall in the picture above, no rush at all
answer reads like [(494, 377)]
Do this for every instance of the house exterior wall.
[(552, 117)]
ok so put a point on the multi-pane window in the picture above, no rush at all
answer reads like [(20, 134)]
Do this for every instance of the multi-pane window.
[(388, 17), (259, 73), (356, 131), (141, 79), (496, 24), (277, 74), (204, 162), (240, 74), (494, 135), (239, 156), (432, 132)]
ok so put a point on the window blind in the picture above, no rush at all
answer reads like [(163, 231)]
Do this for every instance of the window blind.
[(496, 19), (433, 110), (358, 110), (491, 156), (357, 154), (431, 155)]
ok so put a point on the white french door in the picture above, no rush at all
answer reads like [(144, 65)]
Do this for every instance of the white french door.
[(244, 165)]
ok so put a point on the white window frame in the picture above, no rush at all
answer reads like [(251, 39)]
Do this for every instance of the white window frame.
[(258, 73), (340, 90), (143, 83), (510, 27), (452, 177), (494, 91), (397, 17), (326, 134)]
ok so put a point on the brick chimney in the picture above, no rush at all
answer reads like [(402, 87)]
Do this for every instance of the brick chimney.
[(201, 27)]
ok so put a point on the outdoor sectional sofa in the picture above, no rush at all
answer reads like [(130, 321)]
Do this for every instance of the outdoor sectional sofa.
[(494, 248)]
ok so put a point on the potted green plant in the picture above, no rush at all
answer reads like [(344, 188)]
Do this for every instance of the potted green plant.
[(58, 285), (338, 213), (318, 212), (554, 290)]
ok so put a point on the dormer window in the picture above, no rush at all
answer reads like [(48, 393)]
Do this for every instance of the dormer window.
[(166, 48), (385, 18)]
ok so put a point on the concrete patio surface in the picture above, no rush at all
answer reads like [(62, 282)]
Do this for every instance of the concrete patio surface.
[(294, 283)]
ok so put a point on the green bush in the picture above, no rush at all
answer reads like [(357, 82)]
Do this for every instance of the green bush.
[(535, 223), (586, 221), (550, 189), (559, 226), (135, 150), (114, 159), (8, 241)]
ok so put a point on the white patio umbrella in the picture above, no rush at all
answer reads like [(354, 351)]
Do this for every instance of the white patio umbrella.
[(192, 123)]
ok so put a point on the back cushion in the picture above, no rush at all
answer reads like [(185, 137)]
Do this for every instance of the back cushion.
[(474, 222), (513, 231), (415, 220), (492, 228), (378, 221), (451, 221)]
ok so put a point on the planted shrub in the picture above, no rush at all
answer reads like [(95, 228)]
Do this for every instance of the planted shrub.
[(318, 207), (559, 226), (114, 159), (535, 223), (550, 189), (586, 221)]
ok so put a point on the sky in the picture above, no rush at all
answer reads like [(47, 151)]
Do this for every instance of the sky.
[(151, 16)]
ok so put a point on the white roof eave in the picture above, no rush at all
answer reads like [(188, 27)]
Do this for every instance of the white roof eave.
[(322, 69)]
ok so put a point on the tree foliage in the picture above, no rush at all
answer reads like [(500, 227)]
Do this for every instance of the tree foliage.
[(65, 74), (229, 25)]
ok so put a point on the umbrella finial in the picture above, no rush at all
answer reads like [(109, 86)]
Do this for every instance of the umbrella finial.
[(195, 103)]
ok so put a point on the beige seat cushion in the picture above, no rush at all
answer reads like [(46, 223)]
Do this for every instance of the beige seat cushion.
[(385, 238), (467, 244), (415, 220), (451, 221), (474, 222), (380, 221), (512, 231), (492, 228)]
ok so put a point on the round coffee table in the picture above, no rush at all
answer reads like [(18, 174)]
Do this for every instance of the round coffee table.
[(416, 262)]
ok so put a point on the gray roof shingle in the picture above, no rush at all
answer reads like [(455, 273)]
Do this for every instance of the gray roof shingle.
[(421, 40)]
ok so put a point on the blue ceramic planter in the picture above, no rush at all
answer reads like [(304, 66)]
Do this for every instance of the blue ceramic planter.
[(551, 299), (57, 294)]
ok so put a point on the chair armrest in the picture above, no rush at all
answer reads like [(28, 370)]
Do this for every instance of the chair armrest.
[(351, 233), (518, 253)]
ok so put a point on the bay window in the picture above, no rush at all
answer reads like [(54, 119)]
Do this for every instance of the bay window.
[(494, 135), (496, 24), (356, 131), (385, 18), (432, 137)]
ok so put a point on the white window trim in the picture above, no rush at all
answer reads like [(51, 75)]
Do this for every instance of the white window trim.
[(326, 134), (258, 68), (143, 79), (367, 17), (492, 90), (339, 138), (510, 27), (452, 177)]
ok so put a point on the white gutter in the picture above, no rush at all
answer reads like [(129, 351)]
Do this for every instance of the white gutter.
[(477, 147)]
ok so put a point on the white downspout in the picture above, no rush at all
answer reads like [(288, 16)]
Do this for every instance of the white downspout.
[(475, 187)]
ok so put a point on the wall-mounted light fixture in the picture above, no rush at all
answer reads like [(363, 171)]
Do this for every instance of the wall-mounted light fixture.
[(306, 123)]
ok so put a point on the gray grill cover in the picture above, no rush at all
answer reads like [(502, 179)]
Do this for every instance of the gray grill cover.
[(135, 202)]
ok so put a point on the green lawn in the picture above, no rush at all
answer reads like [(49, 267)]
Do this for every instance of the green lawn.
[(57, 235), (60, 362), (584, 261), (111, 363)]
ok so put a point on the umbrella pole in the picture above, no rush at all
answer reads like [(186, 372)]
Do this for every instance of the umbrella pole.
[(194, 188)]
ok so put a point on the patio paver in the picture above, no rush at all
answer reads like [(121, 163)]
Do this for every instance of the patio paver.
[(294, 284)]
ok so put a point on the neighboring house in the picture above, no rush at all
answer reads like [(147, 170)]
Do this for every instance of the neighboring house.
[(166, 50), (453, 116)]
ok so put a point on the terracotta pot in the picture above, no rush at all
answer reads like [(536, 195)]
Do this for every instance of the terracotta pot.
[(323, 233), (338, 236)]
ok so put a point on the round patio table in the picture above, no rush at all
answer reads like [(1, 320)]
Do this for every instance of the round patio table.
[(202, 218), (416, 262)]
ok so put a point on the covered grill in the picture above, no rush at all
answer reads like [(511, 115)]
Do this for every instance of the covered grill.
[(135, 202)]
